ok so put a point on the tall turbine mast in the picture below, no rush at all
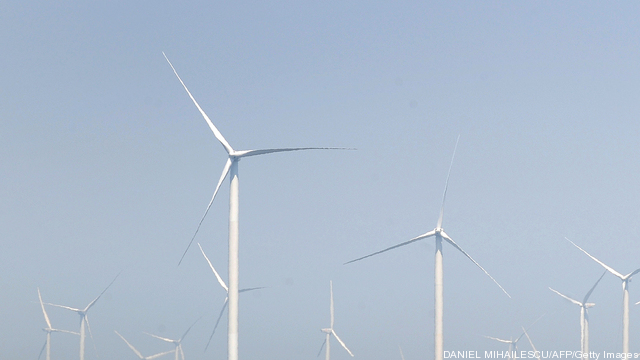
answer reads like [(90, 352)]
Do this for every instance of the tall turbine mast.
[(625, 296), (440, 235), (231, 167)]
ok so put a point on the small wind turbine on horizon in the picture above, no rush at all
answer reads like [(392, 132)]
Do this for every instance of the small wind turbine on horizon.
[(513, 344), (49, 330), (584, 315), (439, 234), (625, 296), (83, 316), (329, 331), (151, 357), (177, 343), (226, 299), (231, 167)]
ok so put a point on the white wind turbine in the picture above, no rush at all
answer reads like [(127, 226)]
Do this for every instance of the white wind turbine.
[(151, 357), (625, 297), (329, 331), (513, 344), (177, 343), (49, 330), (226, 299), (439, 234), (83, 316), (584, 315), (231, 166)]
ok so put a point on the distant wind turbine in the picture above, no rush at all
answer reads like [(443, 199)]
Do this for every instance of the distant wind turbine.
[(584, 316), (83, 316), (177, 343), (232, 167), (226, 299), (329, 331), (625, 297), (140, 355), (49, 330), (513, 344), (439, 234)]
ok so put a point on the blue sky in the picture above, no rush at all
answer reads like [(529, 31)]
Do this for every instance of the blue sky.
[(107, 166)]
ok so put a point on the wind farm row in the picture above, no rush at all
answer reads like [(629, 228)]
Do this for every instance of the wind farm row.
[(232, 289)]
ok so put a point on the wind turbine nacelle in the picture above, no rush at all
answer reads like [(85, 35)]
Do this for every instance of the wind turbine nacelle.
[(589, 305), (326, 331)]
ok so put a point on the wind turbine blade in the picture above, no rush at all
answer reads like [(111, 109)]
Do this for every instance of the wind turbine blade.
[(501, 340), (446, 237), (160, 354), (217, 133), (633, 273), (245, 153), (217, 322), (161, 338), (341, 342), (322, 347), (103, 291), (331, 307), (531, 343), (86, 319), (586, 297), (41, 350), (130, 346), (610, 269), (181, 352), (401, 354), (225, 171), (214, 270), (529, 327), (65, 331), (566, 297), (251, 289), (423, 236), (46, 317), (186, 332), (64, 307), (446, 185)]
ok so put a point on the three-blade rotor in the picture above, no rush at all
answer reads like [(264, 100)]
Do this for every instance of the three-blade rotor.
[(234, 155)]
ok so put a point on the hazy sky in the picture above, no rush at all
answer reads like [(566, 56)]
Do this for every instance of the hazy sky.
[(106, 166)]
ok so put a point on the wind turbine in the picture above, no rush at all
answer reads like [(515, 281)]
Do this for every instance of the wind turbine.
[(177, 343), (329, 331), (584, 316), (226, 299), (83, 316), (625, 297), (439, 234), (140, 355), (231, 166), (513, 344), (49, 330)]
